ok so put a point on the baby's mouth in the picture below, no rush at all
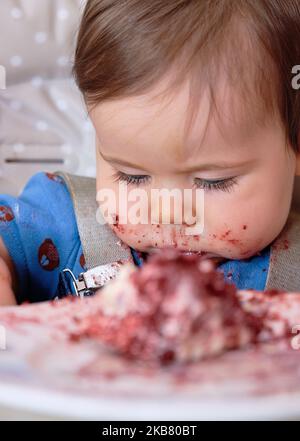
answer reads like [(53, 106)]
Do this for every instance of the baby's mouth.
[(217, 259)]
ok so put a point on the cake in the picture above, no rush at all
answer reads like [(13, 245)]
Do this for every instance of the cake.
[(179, 308), (176, 308)]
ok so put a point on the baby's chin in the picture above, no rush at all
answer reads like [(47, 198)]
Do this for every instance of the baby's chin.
[(205, 255), (218, 256), (150, 250)]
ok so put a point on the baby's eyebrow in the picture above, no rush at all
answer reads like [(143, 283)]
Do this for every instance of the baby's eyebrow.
[(221, 165), (121, 162)]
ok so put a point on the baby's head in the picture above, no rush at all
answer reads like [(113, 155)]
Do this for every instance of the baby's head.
[(186, 94)]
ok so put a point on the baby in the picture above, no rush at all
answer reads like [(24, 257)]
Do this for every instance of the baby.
[(183, 95)]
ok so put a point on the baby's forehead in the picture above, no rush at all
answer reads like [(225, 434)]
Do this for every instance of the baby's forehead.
[(222, 117)]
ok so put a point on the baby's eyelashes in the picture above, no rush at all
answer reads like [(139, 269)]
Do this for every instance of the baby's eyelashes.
[(131, 179)]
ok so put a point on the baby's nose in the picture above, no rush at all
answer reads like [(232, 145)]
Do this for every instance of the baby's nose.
[(171, 206)]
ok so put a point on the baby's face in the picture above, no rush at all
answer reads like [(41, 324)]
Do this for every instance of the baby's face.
[(246, 171)]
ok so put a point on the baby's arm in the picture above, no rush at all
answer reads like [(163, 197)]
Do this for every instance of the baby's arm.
[(8, 279), (39, 238)]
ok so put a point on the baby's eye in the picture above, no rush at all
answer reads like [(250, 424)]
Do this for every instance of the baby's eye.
[(215, 184), (131, 179)]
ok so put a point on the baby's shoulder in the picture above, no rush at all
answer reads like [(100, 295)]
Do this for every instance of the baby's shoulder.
[(39, 230), (44, 187), (43, 209)]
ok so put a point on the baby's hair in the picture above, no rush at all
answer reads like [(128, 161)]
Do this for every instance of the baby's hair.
[(126, 47)]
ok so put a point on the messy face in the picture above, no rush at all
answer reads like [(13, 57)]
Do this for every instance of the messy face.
[(241, 162)]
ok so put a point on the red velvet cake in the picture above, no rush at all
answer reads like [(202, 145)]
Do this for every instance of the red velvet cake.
[(179, 308), (175, 308)]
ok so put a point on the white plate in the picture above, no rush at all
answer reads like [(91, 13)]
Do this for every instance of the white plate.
[(44, 374), (22, 401)]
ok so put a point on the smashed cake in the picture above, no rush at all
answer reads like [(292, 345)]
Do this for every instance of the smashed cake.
[(175, 308), (178, 307)]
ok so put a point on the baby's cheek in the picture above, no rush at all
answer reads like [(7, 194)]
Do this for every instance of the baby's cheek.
[(135, 236), (229, 239), (238, 242), (228, 242), (142, 237)]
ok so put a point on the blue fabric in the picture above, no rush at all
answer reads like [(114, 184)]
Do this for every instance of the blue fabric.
[(40, 232), (248, 273)]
